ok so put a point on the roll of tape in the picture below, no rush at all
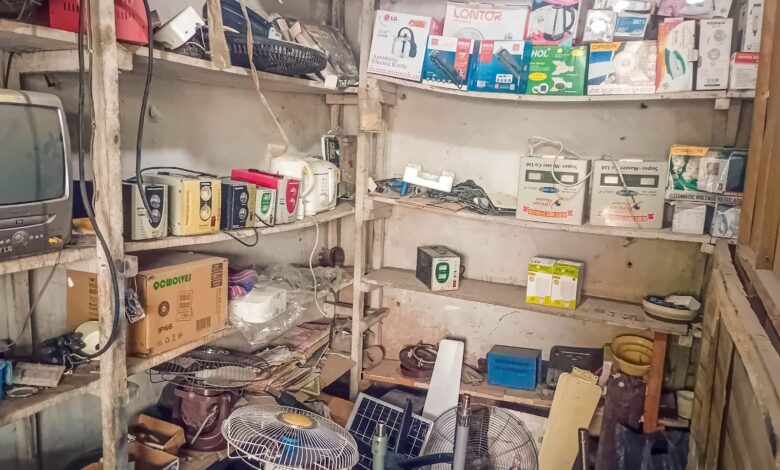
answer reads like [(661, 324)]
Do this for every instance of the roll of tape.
[(90, 331)]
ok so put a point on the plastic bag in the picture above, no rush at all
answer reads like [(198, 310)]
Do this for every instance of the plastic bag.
[(667, 450)]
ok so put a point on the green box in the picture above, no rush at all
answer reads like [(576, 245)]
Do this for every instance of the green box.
[(557, 70)]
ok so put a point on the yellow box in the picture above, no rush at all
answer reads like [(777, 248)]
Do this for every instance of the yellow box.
[(539, 288), (567, 280)]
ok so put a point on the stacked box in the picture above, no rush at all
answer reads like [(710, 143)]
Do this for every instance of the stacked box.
[(557, 70), (567, 281), (500, 66), (539, 288)]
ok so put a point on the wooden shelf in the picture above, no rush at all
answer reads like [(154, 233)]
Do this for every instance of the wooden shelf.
[(344, 209), (686, 95), (84, 380), (389, 371), (454, 210), (23, 37), (26, 263), (609, 312)]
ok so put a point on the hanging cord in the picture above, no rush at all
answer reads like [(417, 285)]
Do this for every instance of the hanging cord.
[(311, 264), (139, 181), (239, 240), (535, 142)]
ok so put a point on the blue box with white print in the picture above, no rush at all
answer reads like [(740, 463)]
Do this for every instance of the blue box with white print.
[(500, 66)]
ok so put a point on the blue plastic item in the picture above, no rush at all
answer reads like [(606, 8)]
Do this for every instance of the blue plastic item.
[(512, 367), (6, 377)]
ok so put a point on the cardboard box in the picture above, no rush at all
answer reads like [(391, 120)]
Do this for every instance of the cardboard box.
[(676, 55), (486, 21), (145, 458), (692, 218), (688, 164), (447, 62), (81, 298), (714, 54), (185, 298), (631, 25), (567, 281), (622, 68), (167, 436), (540, 274), (744, 71), (725, 221), (751, 17), (398, 45), (541, 199), (438, 267), (553, 23), (500, 66), (636, 200), (557, 70)]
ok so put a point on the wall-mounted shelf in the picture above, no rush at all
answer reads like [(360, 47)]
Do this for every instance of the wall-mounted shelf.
[(609, 312), (22, 37), (389, 372), (26, 263), (454, 210)]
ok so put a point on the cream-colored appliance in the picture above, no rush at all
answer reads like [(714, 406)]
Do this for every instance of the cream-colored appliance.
[(324, 191), (295, 166)]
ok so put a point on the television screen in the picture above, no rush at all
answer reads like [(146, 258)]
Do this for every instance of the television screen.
[(33, 159)]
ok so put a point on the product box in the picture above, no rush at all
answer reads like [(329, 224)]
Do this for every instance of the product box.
[(622, 68), (553, 22), (167, 436), (751, 17), (714, 54), (137, 223), (540, 275), (486, 21), (185, 298), (631, 25), (694, 10), (541, 199), (599, 26), (398, 44), (447, 62), (143, 457), (691, 217), (725, 222), (567, 281), (265, 207), (706, 174), (635, 199), (500, 66), (195, 202), (676, 55), (557, 70), (238, 204), (744, 71), (513, 367), (81, 298), (438, 267)]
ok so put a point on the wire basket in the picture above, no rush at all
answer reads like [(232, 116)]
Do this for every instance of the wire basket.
[(282, 438), (273, 56), (213, 369)]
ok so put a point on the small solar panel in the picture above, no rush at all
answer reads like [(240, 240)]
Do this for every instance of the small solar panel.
[(369, 411)]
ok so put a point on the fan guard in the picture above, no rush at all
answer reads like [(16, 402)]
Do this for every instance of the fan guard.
[(212, 369), (282, 438), (497, 440)]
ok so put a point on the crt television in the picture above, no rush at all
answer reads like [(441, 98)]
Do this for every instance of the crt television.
[(35, 190)]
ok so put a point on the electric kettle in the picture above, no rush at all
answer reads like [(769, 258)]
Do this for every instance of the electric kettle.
[(295, 166), (559, 21), (325, 188), (404, 46)]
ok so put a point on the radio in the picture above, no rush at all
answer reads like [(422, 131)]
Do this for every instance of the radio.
[(287, 191), (265, 207), (238, 206), (138, 224), (195, 201)]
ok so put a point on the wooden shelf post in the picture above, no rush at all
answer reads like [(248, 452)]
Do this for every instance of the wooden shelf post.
[(655, 380)]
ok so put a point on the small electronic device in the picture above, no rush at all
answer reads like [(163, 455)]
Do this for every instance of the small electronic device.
[(628, 193), (137, 223), (176, 32), (238, 204), (131, 24), (541, 198), (438, 267), (513, 367), (288, 191), (674, 308), (195, 201), (35, 188), (566, 358), (341, 150), (265, 207)]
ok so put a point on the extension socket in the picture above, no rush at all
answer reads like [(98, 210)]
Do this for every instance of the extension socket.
[(541, 199), (137, 224), (622, 68), (398, 44), (635, 201), (500, 66), (676, 55), (557, 70), (288, 191), (447, 62), (238, 204), (486, 21), (714, 54), (195, 202)]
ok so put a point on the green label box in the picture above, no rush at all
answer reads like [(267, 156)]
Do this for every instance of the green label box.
[(557, 70)]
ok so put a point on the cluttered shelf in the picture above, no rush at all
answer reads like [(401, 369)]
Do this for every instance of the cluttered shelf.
[(20, 37), (610, 312), (389, 371), (451, 209), (344, 209), (26, 263)]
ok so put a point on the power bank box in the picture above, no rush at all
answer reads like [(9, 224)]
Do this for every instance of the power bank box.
[(622, 68), (628, 193), (447, 62), (712, 72), (541, 199), (486, 21), (557, 70), (676, 55), (398, 45), (744, 71), (540, 277), (500, 66), (567, 281), (706, 174)]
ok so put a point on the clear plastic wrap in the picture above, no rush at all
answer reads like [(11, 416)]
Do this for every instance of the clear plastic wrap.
[(259, 316)]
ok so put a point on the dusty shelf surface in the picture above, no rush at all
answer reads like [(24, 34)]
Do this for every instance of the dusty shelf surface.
[(70, 254)]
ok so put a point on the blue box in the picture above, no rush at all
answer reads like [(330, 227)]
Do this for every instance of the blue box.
[(512, 367), (447, 62), (500, 66)]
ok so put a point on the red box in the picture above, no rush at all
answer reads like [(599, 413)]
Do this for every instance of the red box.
[(131, 24)]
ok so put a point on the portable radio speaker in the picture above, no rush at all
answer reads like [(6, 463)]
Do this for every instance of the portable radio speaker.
[(138, 224), (238, 204), (287, 191), (195, 202)]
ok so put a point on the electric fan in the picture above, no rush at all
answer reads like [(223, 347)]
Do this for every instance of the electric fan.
[(282, 438)]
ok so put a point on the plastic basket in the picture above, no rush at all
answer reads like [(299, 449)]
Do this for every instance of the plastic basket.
[(280, 57)]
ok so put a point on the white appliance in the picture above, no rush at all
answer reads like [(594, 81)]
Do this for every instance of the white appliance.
[(261, 305), (298, 167), (324, 192)]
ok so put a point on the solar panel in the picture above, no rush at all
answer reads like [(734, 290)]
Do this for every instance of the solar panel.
[(368, 412)]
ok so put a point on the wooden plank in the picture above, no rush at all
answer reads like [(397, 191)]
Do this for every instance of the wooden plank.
[(705, 375), (337, 14), (27, 263), (20, 37), (655, 379), (60, 61), (765, 284), (720, 386), (747, 420), (593, 309), (218, 44)]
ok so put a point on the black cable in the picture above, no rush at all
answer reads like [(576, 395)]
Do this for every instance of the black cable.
[(473, 197), (115, 326), (248, 245), (7, 74), (139, 181)]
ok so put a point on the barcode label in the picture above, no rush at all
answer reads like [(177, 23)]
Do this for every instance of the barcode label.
[(184, 306), (203, 323)]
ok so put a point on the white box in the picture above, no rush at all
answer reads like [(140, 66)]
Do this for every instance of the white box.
[(622, 68), (567, 281), (744, 71), (485, 21), (541, 199), (751, 17), (539, 288), (714, 54), (638, 204), (725, 222), (447, 62), (398, 45), (692, 218), (676, 55)]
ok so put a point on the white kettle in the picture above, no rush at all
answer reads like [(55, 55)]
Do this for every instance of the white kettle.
[(298, 167), (324, 192)]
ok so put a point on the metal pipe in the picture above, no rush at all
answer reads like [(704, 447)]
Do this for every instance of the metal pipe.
[(462, 433), (379, 447)]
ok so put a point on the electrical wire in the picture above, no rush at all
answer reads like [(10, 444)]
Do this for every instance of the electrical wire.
[(311, 265), (236, 238), (543, 141), (139, 181)]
